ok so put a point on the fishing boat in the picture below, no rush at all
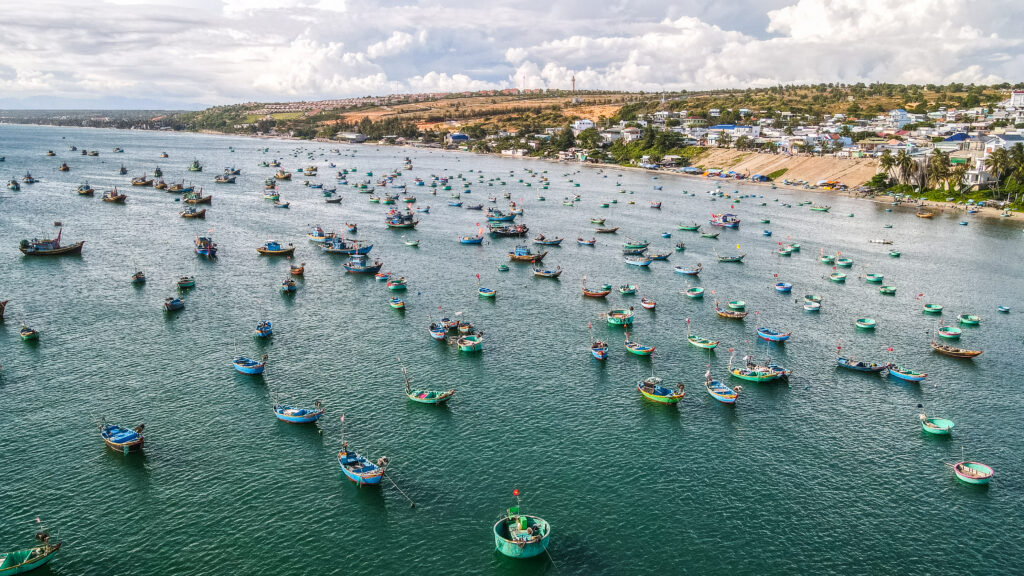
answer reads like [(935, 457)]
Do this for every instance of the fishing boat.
[(425, 396), (289, 286), (1004, 309), (142, 181), (601, 292), (637, 348), (195, 166), (969, 319), (21, 561), (13, 185), (736, 258), (754, 372), (157, 172), (887, 290), (689, 228), (727, 313), (224, 179), (396, 284), (197, 198), (264, 329), (503, 268), (902, 373), (360, 264), (523, 254), (173, 304), (783, 287), (659, 255), (318, 235), (711, 235), (881, 240), (84, 189), (294, 415), (606, 230), (484, 292), (543, 273), (950, 332), (27, 333), (865, 323), (518, 535), (120, 439), (651, 388), (820, 208), (689, 271), (720, 391), (545, 241), (113, 196), (647, 303), (340, 245), (191, 212), (581, 242), (180, 187), (509, 231), (28, 178), (725, 220), (496, 215), (773, 335), (932, 309), (680, 246), (275, 248), (205, 246), (186, 282), (637, 260), (812, 306), (478, 239), (953, 351), (837, 277), (924, 214), (470, 343), (973, 472), (737, 305), (695, 292), (627, 289), (844, 262), (874, 278), (360, 470), (37, 247), (400, 220), (251, 366), (277, 204), (620, 317), (860, 366), (138, 278)]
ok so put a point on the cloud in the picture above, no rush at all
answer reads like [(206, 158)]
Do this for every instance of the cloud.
[(195, 52)]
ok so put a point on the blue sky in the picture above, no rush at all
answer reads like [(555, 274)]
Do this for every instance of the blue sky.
[(196, 53)]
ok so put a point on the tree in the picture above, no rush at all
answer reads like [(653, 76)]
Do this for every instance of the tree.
[(957, 176), (906, 166), (938, 168), (724, 140), (589, 138), (886, 162), (743, 142)]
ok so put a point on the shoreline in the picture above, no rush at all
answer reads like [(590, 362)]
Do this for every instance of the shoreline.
[(942, 206)]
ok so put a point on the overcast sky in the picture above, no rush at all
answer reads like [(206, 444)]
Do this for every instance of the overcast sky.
[(196, 53)]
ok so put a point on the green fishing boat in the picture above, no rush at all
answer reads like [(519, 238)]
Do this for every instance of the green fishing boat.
[(866, 323), (844, 262), (938, 426), (737, 305), (874, 278), (709, 234), (894, 253), (828, 259), (693, 228), (699, 342), (887, 290), (969, 319), (950, 332), (812, 298), (794, 247), (619, 317), (765, 221), (519, 535), (22, 561), (932, 309), (837, 277), (696, 292), (471, 343)]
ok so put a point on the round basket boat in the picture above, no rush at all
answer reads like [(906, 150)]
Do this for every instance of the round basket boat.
[(866, 323), (737, 305), (874, 278), (932, 309)]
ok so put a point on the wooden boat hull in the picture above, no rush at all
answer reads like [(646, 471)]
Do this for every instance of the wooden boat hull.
[(695, 293), (721, 392), (859, 366), (196, 214), (702, 342), (752, 376), (907, 376), (533, 258), (75, 248), (639, 349), (281, 252), (955, 352), (368, 475), (671, 398), (772, 335)]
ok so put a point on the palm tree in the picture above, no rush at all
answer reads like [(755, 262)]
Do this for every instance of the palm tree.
[(957, 175), (886, 162), (997, 164), (938, 168), (905, 166)]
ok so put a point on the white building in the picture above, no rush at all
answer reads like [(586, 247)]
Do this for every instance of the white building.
[(581, 125), (631, 134), (898, 118), (1017, 99)]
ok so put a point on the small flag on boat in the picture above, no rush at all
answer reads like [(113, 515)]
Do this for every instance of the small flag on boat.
[(737, 246), (478, 276), (775, 275), (588, 325), (515, 492), (890, 348), (342, 417), (38, 521)]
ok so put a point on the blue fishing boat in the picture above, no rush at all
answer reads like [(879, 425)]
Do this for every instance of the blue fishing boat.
[(906, 374), (319, 235), (720, 391), (299, 415), (438, 331), (120, 439), (652, 390), (689, 271), (21, 561), (264, 329), (360, 264), (784, 287), (46, 247), (638, 260), (478, 239), (360, 470), (859, 365), (172, 304), (341, 245), (205, 246), (289, 286), (519, 535), (773, 335), (247, 365)]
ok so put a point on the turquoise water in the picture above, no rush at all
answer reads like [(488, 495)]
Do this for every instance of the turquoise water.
[(829, 474)]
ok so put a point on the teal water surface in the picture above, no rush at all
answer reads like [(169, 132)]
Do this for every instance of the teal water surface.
[(828, 474)]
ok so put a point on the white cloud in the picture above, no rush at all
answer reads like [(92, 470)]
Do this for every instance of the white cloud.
[(195, 51)]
